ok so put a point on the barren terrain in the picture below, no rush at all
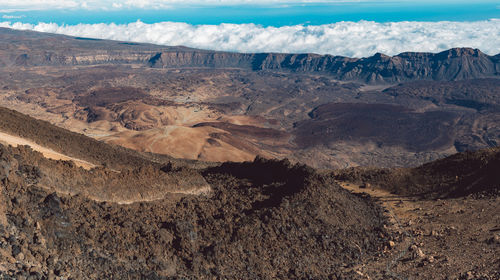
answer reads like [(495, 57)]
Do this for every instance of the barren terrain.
[(437, 239), (136, 161), (260, 219), (264, 219), (46, 152), (328, 112)]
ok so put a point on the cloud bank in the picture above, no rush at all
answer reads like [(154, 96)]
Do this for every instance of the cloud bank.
[(353, 39)]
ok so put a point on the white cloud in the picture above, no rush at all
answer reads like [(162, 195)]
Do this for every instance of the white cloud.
[(12, 17), (15, 5), (354, 39), (28, 5)]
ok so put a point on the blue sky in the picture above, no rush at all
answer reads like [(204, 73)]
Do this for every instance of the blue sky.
[(350, 28), (269, 13), (167, 4)]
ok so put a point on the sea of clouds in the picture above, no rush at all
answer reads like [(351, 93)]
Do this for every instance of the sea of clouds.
[(353, 39)]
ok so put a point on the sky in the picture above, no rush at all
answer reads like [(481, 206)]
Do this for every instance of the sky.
[(343, 27)]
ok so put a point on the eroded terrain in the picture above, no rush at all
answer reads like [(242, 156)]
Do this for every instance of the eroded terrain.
[(76, 203), (148, 216), (217, 107)]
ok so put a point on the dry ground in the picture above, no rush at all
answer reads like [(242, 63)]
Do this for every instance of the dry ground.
[(436, 239), (48, 153)]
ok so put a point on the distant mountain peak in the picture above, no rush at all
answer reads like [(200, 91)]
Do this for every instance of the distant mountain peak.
[(458, 52)]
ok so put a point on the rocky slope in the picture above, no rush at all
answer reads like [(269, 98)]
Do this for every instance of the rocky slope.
[(25, 48), (262, 219), (144, 216), (265, 219)]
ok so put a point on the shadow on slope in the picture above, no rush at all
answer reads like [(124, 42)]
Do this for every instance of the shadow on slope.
[(462, 174)]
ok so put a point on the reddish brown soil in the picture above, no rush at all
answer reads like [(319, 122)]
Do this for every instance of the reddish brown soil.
[(103, 88), (146, 216), (70, 143)]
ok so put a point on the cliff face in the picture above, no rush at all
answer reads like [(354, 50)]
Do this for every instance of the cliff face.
[(453, 64), (200, 59), (62, 59), (23, 48)]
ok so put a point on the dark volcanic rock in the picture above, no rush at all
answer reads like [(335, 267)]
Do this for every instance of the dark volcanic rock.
[(380, 124), (477, 94), (265, 219)]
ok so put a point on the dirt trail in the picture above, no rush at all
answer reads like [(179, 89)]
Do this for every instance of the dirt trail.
[(48, 153), (452, 238), (387, 199), (196, 191), (3, 217), (397, 208)]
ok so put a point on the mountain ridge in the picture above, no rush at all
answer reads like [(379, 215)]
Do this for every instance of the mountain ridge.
[(452, 64), (219, 106)]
